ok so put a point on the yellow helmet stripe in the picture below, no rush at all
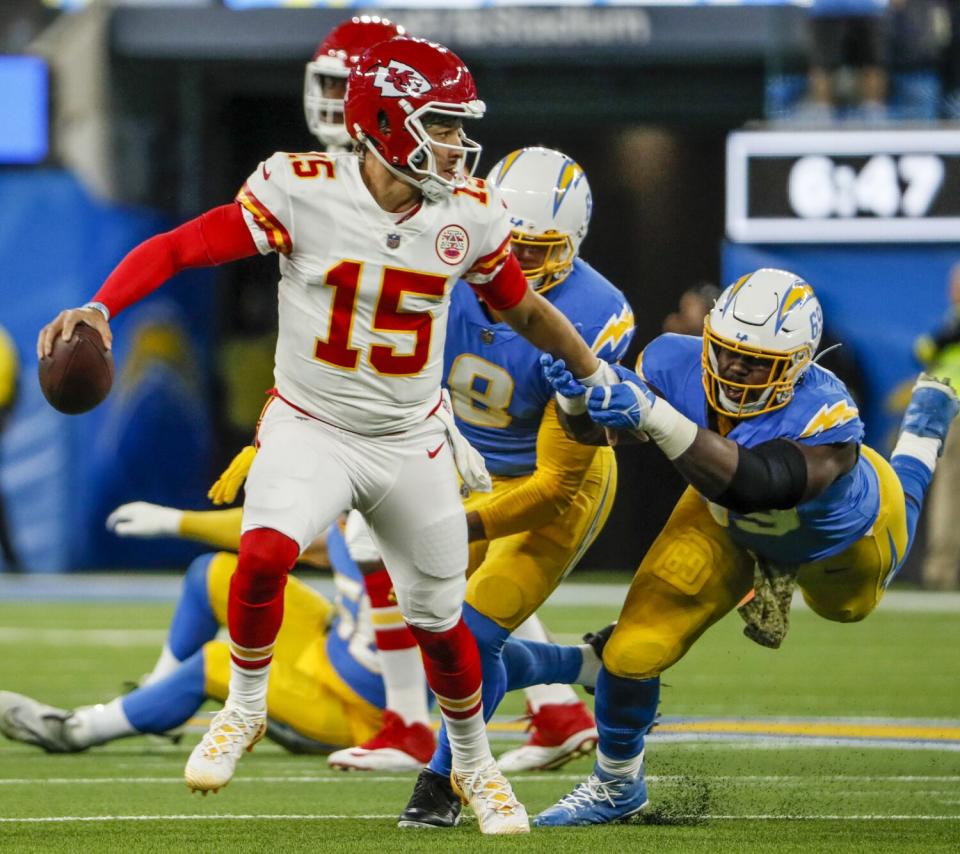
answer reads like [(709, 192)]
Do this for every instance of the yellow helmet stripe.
[(569, 173), (797, 295), (506, 163)]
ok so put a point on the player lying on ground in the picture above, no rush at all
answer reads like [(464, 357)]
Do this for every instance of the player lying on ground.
[(370, 248), (325, 690), (782, 492)]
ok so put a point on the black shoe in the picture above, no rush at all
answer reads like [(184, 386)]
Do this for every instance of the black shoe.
[(289, 739), (432, 804), (598, 640)]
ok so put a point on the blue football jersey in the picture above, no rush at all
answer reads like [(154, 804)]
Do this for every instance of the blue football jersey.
[(821, 412), (494, 376)]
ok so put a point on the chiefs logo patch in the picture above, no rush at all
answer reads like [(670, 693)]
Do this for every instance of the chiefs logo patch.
[(397, 79), (452, 244)]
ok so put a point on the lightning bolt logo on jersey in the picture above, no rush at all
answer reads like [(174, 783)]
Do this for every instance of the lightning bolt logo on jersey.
[(821, 412), (496, 384)]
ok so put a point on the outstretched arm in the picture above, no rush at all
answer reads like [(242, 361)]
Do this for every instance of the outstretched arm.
[(215, 237), (549, 330), (217, 528), (773, 475)]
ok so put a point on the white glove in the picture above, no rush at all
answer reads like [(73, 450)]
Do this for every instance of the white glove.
[(467, 459), (142, 519)]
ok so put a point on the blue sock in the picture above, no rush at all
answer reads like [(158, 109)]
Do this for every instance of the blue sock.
[(171, 701), (625, 710), (533, 663), (915, 479), (490, 640), (193, 622)]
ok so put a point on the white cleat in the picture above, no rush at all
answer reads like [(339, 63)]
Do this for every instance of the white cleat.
[(384, 759), (497, 809), (213, 761)]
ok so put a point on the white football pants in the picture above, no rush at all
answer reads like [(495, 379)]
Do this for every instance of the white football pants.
[(307, 472)]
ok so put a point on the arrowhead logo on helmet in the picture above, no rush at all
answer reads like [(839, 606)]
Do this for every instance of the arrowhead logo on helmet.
[(398, 80), (391, 89)]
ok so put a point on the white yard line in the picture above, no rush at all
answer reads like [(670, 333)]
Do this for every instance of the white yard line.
[(392, 816), (83, 637), (747, 779), (133, 587)]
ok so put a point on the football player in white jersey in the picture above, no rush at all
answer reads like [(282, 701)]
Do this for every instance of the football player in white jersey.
[(370, 247)]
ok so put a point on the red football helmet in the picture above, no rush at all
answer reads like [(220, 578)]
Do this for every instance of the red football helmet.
[(331, 63), (391, 88)]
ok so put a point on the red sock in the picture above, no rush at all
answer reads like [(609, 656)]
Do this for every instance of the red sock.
[(453, 670), (255, 604), (401, 665), (391, 634)]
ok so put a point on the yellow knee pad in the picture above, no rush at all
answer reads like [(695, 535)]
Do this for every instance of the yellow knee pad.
[(665, 612), (636, 653), (501, 598), (842, 611)]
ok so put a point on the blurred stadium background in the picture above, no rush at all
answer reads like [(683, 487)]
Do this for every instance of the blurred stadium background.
[(122, 117), (691, 120)]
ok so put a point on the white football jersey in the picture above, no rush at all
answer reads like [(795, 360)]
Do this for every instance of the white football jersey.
[(363, 298)]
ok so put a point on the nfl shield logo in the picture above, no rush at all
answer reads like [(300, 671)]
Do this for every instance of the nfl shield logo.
[(393, 241), (486, 335)]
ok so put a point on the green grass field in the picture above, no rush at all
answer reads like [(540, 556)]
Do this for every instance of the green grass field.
[(767, 794)]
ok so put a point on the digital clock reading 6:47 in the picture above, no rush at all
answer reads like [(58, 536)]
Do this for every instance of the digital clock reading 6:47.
[(843, 186)]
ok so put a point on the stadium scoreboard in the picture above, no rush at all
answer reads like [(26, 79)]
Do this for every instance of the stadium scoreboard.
[(839, 186)]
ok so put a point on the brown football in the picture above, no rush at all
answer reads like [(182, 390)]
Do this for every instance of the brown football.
[(78, 374)]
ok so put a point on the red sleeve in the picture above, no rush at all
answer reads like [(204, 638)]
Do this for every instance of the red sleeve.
[(506, 289), (215, 237)]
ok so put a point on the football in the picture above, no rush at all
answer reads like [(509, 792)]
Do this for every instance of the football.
[(78, 374)]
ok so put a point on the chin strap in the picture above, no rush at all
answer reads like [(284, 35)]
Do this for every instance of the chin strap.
[(433, 189)]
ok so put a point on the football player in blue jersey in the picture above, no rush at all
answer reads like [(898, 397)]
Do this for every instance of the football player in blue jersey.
[(551, 495), (782, 491), (321, 696), (325, 692)]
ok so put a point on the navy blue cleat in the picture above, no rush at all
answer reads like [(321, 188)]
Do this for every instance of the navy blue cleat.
[(600, 799), (933, 406)]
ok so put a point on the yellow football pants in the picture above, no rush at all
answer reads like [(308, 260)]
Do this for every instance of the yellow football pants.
[(512, 576), (694, 574), (305, 692)]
